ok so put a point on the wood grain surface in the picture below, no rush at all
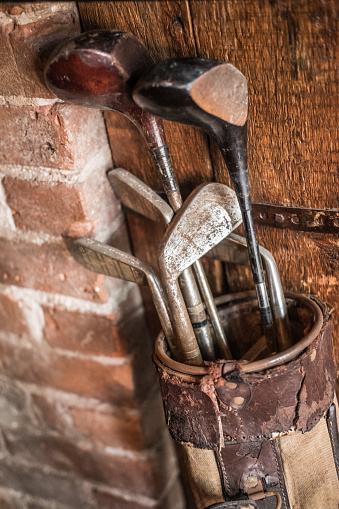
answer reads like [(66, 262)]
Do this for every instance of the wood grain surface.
[(287, 51)]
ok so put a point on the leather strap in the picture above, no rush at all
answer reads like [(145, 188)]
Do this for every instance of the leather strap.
[(249, 465)]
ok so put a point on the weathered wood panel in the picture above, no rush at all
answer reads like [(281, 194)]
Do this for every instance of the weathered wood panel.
[(287, 51)]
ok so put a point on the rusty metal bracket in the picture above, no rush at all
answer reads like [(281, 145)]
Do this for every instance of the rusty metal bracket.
[(296, 218)]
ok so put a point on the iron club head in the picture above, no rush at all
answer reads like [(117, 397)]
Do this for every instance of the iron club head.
[(139, 197), (209, 214), (113, 262)]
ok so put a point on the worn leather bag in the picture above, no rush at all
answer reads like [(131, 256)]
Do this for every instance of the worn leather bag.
[(260, 434)]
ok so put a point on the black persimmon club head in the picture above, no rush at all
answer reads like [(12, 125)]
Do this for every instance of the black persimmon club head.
[(212, 96)]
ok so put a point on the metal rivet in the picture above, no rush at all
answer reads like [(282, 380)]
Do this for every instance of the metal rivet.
[(295, 219), (321, 220), (231, 385), (238, 400), (279, 218), (263, 215)]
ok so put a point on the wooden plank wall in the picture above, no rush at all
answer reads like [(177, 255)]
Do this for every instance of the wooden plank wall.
[(287, 51)]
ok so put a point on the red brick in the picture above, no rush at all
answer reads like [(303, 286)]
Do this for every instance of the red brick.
[(138, 475), (8, 502), (84, 332), (33, 481), (51, 268), (89, 378), (12, 318), (111, 429), (83, 209), (61, 136), (50, 413), (25, 47), (118, 427)]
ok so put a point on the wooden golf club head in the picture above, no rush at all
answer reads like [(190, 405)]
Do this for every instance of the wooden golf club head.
[(207, 94), (98, 69)]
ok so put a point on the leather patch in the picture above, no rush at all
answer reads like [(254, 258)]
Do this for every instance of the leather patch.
[(245, 466)]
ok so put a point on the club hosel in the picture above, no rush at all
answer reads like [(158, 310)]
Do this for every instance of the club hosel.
[(161, 306), (163, 162), (186, 343)]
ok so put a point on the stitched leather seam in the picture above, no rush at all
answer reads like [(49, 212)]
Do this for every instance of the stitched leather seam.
[(280, 474), (330, 429), (224, 474)]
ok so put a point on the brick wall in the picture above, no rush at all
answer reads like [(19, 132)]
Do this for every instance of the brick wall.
[(80, 413)]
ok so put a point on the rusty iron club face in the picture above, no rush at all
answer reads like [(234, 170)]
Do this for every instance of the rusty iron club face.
[(140, 198), (233, 249), (104, 259), (98, 69), (209, 214), (212, 96)]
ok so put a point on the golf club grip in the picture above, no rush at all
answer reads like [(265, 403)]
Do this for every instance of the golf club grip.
[(163, 162)]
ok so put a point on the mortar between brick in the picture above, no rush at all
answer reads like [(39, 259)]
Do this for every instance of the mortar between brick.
[(51, 175), (41, 10), (71, 303), (20, 100)]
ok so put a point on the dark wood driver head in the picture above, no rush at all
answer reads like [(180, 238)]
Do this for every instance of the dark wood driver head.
[(207, 94), (222, 92), (97, 69), (190, 90)]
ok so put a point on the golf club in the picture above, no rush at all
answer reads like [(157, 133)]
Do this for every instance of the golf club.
[(233, 249), (212, 96), (98, 69), (104, 259), (140, 198), (209, 214)]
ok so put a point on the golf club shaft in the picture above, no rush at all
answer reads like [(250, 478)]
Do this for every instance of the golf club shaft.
[(212, 311), (233, 249), (181, 323), (233, 146), (163, 162)]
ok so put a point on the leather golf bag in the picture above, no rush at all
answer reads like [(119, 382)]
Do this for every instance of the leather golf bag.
[(260, 434)]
